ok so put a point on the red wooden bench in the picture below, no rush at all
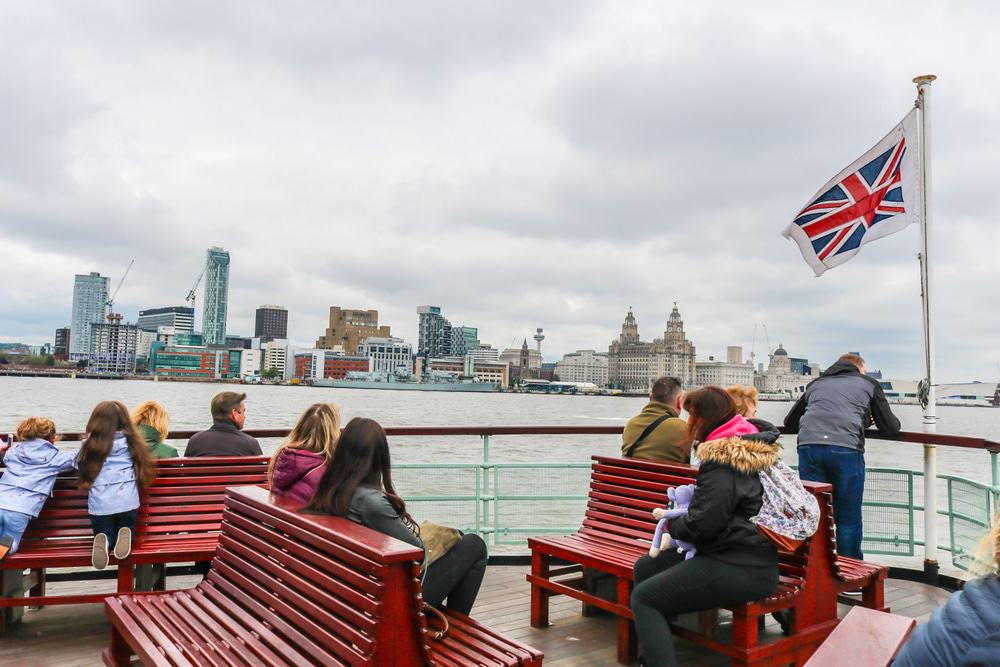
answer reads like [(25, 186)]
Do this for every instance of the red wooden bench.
[(287, 588), (178, 522), (617, 529), (864, 637)]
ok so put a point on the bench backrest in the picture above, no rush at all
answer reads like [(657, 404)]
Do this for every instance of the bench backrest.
[(339, 593), (187, 494), (64, 515)]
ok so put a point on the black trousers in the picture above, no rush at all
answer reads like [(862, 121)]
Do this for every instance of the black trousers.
[(110, 523), (457, 575), (669, 585)]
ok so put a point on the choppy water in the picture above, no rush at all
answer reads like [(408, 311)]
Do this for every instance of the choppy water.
[(69, 402)]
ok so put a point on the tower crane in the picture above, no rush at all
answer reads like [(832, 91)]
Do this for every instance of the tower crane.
[(111, 302), (767, 339), (191, 294)]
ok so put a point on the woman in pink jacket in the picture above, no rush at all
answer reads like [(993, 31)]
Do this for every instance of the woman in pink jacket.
[(299, 462)]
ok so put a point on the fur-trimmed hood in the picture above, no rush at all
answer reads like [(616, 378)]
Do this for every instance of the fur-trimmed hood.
[(745, 456)]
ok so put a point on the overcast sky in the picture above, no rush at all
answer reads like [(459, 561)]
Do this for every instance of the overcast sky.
[(543, 164)]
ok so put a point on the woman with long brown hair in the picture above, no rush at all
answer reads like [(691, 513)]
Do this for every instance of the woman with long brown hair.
[(299, 462), (734, 563), (357, 484), (113, 464)]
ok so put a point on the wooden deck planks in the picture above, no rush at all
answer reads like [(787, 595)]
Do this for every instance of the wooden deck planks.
[(75, 635)]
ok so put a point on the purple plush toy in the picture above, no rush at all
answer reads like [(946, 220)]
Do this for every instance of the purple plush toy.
[(681, 498)]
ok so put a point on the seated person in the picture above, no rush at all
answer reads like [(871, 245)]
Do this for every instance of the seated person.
[(357, 484), (745, 398), (153, 423), (656, 433), (226, 437), (299, 462)]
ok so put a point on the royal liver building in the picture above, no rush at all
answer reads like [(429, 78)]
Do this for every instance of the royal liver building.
[(633, 365)]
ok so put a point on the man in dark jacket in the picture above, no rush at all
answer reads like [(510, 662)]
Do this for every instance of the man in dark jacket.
[(225, 437), (830, 418)]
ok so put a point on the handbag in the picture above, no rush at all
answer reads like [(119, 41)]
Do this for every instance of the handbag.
[(438, 540), (789, 515)]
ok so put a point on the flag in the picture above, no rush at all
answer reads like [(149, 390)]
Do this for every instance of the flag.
[(873, 197)]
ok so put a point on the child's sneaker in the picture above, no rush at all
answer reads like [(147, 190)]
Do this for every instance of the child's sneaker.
[(123, 543), (6, 544), (99, 553)]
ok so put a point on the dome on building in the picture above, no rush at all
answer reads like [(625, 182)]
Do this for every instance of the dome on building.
[(780, 352)]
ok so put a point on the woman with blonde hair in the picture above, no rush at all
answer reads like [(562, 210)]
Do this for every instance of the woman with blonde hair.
[(965, 631), (299, 463), (745, 398), (154, 424)]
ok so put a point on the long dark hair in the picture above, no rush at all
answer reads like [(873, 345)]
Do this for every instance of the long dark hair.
[(107, 419), (361, 457), (708, 409)]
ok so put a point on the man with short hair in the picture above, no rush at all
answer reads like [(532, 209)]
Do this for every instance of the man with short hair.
[(656, 433), (830, 418), (225, 438)]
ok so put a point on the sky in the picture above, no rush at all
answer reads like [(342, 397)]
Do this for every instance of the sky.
[(545, 164)]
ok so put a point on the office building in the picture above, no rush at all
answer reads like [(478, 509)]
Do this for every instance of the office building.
[(485, 353), (271, 322), (780, 378), (463, 340), (181, 318), (734, 354), (90, 296), (61, 348), (583, 366), (250, 363), (348, 327), (113, 347), (434, 338), (216, 297), (387, 354), (275, 356), (194, 361), (512, 356), (493, 372), (327, 364), (633, 365), (723, 373)]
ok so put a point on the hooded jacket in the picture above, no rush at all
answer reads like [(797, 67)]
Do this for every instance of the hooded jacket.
[(32, 468), (159, 449), (668, 442), (727, 493), (964, 632), (296, 474), (838, 406)]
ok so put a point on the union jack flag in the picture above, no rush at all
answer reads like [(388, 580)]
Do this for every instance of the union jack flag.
[(873, 197)]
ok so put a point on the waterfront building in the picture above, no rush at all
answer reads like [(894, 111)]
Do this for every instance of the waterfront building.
[(181, 318), (485, 353), (463, 340), (238, 342), (145, 343), (270, 322), (780, 378), (348, 327), (434, 338), (61, 348), (512, 356), (734, 355), (216, 298), (90, 296), (583, 366), (633, 365), (250, 363), (194, 361), (547, 371), (276, 357), (468, 366), (723, 373), (113, 347), (326, 364), (387, 354)]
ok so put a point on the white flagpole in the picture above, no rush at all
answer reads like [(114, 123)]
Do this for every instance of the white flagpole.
[(930, 409)]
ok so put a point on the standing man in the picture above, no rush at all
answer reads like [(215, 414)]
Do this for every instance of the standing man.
[(225, 438), (830, 418), (656, 433)]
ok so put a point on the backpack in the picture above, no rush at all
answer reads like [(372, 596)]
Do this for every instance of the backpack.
[(789, 514)]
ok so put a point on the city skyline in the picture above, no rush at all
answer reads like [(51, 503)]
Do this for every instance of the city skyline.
[(522, 170)]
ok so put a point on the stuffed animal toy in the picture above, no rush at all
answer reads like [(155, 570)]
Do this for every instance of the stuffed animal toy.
[(680, 498)]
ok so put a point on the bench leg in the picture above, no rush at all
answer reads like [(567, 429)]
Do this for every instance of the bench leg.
[(628, 643), (11, 586), (119, 653), (126, 578), (744, 630), (873, 596), (539, 596)]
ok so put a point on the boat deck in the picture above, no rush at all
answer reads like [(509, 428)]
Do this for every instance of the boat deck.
[(74, 635)]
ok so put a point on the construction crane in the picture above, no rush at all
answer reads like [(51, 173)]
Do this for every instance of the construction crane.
[(191, 294), (768, 340), (110, 303)]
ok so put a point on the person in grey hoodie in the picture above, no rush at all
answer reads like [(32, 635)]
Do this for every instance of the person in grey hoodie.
[(32, 466), (831, 418)]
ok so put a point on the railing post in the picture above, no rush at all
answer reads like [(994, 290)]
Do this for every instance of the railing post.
[(994, 481), (930, 512), (484, 496)]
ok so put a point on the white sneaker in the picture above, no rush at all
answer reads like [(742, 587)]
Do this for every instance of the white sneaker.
[(99, 552), (855, 593), (123, 543)]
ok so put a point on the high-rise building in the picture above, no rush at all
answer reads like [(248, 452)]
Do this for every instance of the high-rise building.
[(387, 354), (181, 318), (583, 366), (434, 337), (113, 346), (271, 322), (216, 298), (348, 327), (463, 340), (633, 365), (61, 348), (90, 296)]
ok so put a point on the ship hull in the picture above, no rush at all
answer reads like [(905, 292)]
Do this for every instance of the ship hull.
[(477, 387)]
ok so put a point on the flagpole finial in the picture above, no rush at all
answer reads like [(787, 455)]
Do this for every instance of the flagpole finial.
[(924, 78)]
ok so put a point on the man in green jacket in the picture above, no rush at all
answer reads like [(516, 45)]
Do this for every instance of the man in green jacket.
[(656, 433)]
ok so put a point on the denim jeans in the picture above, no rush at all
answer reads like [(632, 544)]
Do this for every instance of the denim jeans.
[(844, 468), (110, 523), (14, 524)]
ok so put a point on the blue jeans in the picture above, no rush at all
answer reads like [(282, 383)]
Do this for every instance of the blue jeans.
[(844, 468), (14, 524), (110, 523)]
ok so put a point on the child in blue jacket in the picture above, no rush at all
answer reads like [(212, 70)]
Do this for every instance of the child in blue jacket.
[(32, 467), (113, 464)]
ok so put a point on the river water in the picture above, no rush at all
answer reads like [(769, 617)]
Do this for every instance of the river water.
[(69, 402)]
